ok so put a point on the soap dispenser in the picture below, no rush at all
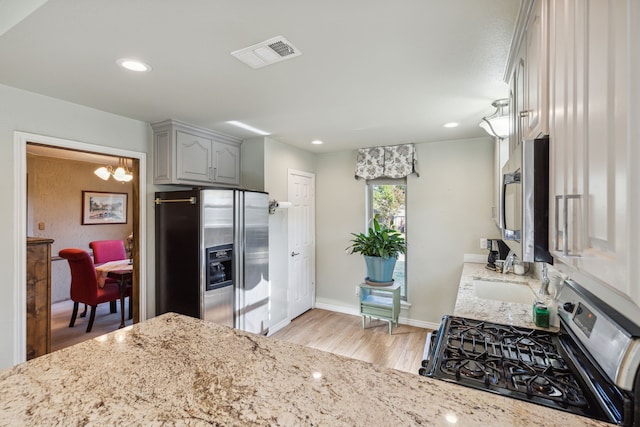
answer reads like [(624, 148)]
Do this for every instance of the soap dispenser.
[(556, 283), (550, 285)]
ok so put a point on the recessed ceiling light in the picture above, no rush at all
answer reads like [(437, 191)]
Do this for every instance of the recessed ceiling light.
[(317, 142), (451, 125), (133, 65), (247, 127)]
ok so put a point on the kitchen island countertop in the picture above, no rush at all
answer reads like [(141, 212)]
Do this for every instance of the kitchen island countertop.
[(176, 370)]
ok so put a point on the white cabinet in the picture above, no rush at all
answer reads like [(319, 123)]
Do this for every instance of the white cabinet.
[(517, 103), (185, 154), (534, 114), (529, 75), (591, 200)]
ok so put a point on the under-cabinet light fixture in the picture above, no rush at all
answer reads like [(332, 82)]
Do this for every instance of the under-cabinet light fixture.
[(247, 127)]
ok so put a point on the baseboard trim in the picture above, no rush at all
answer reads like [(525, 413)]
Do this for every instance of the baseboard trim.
[(356, 312), (275, 328)]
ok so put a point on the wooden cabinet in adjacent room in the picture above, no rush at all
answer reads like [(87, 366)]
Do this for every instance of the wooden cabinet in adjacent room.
[(38, 296)]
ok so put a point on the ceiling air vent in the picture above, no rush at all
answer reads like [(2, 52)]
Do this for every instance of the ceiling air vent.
[(268, 52)]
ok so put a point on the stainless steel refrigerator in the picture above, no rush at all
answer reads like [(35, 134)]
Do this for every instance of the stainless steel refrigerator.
[(212, 256)]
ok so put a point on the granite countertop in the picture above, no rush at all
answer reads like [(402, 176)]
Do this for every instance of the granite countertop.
[(469, 305), (176, 370)]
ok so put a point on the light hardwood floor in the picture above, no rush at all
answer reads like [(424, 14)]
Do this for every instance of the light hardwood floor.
[(63, 336), (343, 334)]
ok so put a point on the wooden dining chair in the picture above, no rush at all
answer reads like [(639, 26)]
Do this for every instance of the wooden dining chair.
[(111, 250), (84, 284)]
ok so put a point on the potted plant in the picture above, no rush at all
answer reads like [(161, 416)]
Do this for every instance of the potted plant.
[(380, 247)]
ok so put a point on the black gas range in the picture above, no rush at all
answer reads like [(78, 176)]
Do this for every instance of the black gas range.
[(589, 368)]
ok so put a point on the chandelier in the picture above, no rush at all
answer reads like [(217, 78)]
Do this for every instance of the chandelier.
[(121, 173), (497, 124)]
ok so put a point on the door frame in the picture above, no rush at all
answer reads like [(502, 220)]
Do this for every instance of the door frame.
[(289, 234), (20, 140)]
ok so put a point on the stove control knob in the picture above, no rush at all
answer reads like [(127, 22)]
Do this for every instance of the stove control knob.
[(569, 306)]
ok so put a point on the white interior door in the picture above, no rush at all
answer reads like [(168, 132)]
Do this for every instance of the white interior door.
[(301, 292)]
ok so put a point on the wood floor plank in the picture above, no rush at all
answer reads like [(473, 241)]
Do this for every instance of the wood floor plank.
[(343, 334)]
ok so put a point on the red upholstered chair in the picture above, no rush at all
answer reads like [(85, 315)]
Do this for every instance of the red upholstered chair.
[(107, 250), (111, 250), (84, 284)]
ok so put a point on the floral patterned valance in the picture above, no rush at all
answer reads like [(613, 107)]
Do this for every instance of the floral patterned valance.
[(396, 161)]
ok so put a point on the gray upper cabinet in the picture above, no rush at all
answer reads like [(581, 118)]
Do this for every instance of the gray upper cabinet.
[(227, 163), (186, 154)]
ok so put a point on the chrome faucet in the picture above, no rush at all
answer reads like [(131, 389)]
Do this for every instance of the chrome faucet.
[(544, 287), (508, 262)]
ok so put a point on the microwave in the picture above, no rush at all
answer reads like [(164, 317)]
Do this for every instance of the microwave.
[(525, 201)]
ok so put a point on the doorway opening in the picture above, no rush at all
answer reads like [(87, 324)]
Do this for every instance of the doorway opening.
[(91, 156)]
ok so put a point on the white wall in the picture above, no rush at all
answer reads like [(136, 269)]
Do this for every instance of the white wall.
[(449, 209), (252, 164), (278, 159), (32, 113), (340, 210)]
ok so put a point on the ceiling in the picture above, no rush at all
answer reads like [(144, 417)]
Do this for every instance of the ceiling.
[(372, 72)]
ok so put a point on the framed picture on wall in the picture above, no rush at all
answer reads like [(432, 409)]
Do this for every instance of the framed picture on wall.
[(104, 208)]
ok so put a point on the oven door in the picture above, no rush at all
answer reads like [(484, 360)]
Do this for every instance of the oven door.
[(431, 350)]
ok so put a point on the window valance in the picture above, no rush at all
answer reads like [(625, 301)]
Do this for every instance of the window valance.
[(394, 161)]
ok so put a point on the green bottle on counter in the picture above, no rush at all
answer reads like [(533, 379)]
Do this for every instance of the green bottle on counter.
[(540, 314)]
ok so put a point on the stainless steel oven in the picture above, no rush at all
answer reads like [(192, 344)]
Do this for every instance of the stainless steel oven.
[(588, 368)]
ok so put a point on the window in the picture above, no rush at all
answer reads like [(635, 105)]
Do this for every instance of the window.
[(386, 201)]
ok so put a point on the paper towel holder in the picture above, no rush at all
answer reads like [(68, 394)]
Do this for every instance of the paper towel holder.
[(274, 204)]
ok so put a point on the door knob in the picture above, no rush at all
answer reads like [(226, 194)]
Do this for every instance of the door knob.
[(294, 253)]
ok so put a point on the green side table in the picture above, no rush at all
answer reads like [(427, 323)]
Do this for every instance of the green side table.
[(381, 302)]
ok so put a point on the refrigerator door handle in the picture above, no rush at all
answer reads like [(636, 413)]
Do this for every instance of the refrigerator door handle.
[(191, 200)]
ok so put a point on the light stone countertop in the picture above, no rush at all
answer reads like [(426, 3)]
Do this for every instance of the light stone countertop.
[(176, 370), (470, 306)]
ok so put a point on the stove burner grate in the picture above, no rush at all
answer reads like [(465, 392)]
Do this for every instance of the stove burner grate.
[(510, 358), (557, 385)]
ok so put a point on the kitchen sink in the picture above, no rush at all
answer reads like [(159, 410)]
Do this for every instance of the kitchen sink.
[(519, 293)]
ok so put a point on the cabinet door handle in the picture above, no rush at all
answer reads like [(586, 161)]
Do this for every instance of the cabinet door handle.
[(559, 233), (573, 252), (294, 253), (524, 114), (210, 173), (565, 221)]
